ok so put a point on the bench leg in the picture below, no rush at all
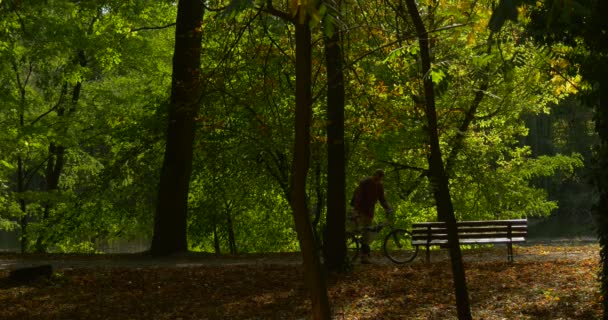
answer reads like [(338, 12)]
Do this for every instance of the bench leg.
[(510, 252), (428, 255)]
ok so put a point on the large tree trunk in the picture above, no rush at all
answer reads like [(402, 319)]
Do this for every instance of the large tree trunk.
[(601, 182), (334, 238), (439, 179), (301, 161), (170, 226)]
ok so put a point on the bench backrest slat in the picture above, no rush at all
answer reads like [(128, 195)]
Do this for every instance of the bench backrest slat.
[(471, 229), (444, 236), (515, 222), (488, 229)]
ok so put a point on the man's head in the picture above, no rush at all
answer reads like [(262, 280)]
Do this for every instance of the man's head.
[(378, 175)]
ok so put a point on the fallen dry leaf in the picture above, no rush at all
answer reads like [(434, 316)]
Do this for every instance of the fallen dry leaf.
[(559, 285)]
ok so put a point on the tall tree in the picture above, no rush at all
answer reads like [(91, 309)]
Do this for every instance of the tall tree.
[(301, 154), (170, 225), (301, 163), (334, 238), (437, 175)]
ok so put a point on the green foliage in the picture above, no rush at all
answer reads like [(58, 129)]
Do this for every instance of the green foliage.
[(51, 49), (114, 137)]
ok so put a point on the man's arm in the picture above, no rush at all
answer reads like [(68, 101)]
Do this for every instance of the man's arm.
[(388, 217), (387, 207)]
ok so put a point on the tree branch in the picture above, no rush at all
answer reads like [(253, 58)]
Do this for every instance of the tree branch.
[(64, 91), (277, 13), (153, 28), (469, 117), (400, 166)]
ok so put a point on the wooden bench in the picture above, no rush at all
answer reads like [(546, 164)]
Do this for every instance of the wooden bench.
[(429, 234)]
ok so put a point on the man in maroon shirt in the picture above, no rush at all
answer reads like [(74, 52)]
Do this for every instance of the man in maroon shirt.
[(369, 191)]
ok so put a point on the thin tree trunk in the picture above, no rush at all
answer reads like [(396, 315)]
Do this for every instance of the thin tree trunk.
[(170, 227), (216, 240), (301, 162), (458, 143), (22, 205), (53, 171), (23, 222), (334, 238), (439, 179), (54, 164), (230, 229), (320, 201)]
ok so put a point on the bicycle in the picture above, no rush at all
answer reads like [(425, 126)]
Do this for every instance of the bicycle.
[(396, 245)]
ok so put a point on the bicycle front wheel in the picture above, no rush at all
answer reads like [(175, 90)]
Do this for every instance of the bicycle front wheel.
[(398, 246)]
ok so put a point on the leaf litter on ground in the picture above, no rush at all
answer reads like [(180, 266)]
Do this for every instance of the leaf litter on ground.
[(547, 282)]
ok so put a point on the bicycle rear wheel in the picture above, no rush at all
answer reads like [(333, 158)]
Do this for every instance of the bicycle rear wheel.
[(352, 247), (398, 246)]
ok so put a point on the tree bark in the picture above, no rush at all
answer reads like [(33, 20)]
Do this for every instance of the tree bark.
[(230, 231), (170, 226), (301, 162), (602, 216), (21, 183), (458, 142), (23, 222), (216, 240), (438, 176), (600, 179), (334, 238)]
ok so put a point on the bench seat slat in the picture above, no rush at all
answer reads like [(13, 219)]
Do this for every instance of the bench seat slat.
[(471, 236), (468, 232)]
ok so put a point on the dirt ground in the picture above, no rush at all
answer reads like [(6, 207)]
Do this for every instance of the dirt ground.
[(548, 280)]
